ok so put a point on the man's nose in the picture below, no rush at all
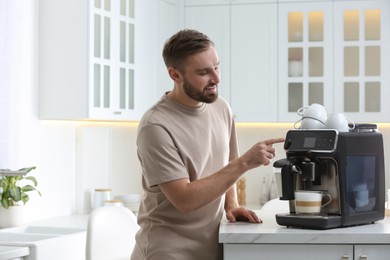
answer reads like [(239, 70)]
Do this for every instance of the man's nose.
[(216, 77)]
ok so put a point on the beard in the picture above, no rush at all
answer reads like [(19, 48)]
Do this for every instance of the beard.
[(199, 95)]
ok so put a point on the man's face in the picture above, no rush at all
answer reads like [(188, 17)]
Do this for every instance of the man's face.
[(201, 77)]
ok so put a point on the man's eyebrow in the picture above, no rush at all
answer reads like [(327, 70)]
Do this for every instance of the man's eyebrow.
[(208, 68)]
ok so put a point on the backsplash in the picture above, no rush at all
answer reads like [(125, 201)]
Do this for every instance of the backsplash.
[(125, 170)]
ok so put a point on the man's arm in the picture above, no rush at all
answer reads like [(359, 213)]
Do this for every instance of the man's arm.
[(188, 196)]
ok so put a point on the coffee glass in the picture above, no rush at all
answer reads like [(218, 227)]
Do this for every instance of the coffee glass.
[(311, 202)]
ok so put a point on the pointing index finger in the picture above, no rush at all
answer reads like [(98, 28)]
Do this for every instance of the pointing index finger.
[(274, 141)]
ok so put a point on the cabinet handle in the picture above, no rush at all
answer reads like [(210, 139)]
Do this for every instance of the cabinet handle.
[(345, 257), (363, 257)]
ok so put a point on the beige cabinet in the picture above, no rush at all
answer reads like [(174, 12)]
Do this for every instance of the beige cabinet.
[(87, 60), (335, 53)]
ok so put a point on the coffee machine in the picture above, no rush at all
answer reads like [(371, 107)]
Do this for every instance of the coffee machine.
[(349, 166)]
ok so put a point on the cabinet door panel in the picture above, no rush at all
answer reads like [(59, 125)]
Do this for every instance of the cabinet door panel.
[(165, 24), (362, 59), (305, 57), (79, 60), (214, 21), (291, 252), (372, 252), (254, 62)]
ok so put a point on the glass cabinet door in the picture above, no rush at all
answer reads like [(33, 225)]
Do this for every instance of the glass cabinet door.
[(112, 51), (305, 57), (126, 54), (335, 54), (102, 54), (360, 77), (361, 60)]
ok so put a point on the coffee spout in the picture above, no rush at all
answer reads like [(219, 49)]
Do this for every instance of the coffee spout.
[(288, 172)]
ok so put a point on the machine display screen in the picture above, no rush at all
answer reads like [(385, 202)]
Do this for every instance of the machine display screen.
[(306, 140), (309, 142)]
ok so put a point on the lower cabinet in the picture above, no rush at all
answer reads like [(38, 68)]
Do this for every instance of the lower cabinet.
[(363, 252), (305, 251)]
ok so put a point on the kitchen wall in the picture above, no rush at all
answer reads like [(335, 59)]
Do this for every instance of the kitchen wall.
[(74, 157), (125, 172)]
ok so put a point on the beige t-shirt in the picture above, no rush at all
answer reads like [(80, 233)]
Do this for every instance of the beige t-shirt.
[(174, 142)]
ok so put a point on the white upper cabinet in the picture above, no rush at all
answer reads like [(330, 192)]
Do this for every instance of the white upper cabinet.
[(206, 2), (362, 60), (335, 54), (245, 35), (87, 60), (101, 59), (305, 57), (214, 21), (253, 66), (167, 18)]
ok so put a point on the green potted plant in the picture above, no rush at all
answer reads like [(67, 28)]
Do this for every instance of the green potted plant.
[(14, 189)]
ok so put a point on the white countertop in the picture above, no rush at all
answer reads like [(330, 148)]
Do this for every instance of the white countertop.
[(70, 221), (11, 252), (269, 232), (15, 242)]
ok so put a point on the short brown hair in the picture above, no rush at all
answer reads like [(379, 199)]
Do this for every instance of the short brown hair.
[(183, 44)]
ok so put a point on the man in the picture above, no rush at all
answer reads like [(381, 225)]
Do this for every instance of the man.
[(188, 151)]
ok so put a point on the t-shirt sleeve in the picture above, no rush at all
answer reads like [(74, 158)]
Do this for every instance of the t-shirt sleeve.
[(159, 156), (234, 152)]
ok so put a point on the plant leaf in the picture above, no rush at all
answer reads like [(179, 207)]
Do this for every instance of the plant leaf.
[(31, 178), (25, 198), (11, 190), (15, 193), (27, 188), (4, 203), (27, 169)]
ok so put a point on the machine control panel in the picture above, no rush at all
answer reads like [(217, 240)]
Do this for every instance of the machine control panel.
[(311, 140)]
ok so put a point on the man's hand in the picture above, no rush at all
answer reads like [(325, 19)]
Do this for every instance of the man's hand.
[(260, 154), (242, 214)]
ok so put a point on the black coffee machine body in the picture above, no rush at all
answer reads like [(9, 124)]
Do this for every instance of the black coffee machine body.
[(345, 165)]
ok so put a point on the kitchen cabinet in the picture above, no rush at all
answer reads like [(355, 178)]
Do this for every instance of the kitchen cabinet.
[(363, 252), (269, 240), (335, 54), (361, 76), (167, 18), (297, 252), (214, 21), (253, 94), (245, 33), (292, 252), (87, 60)]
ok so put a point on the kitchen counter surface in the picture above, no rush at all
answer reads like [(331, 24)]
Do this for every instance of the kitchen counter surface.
[(13, 252), (70, 221), (46, 239), (269, 232)]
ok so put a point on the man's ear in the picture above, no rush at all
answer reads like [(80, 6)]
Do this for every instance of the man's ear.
[(174, 74)]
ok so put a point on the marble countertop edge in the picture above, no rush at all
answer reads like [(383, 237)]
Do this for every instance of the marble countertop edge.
[(269, 232)]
